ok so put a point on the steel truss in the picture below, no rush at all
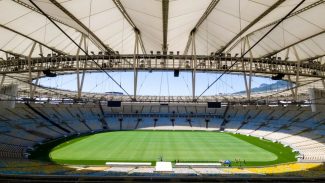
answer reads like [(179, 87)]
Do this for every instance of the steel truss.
[(158, 62)]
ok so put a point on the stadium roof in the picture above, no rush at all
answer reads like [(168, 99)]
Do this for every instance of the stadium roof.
[(293, 29), (219, 25)]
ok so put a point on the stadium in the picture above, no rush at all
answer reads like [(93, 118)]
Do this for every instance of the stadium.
[(162, 90)]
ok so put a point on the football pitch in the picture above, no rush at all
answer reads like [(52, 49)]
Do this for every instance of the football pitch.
[(183, 146)]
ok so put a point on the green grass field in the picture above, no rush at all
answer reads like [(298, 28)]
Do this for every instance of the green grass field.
[(185, 146)]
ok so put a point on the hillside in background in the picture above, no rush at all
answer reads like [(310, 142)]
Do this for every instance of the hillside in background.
[(269, 87)]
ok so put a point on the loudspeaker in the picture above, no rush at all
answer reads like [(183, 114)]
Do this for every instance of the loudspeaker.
[(176, 73), (279, 76), (48, 73), (113, 103), (214, 104)]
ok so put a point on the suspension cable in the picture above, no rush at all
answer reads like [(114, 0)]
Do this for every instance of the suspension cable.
[(242, 56), (31, 1)]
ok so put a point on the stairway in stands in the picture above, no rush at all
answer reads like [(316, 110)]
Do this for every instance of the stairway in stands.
[(225, 121)]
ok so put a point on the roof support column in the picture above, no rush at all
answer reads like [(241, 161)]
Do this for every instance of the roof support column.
[(4, 75), (78, 65), (292, 90), (194, 63), (250, 71), (297, 72), (38, 73), (85, 66), (323, 82), (248, 84), (250, 77), (83, 78), (36, 83), (30, 79), (2, 79), (289, 77), (135, 66)]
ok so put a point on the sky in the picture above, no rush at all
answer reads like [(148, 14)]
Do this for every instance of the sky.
[(155, 83)]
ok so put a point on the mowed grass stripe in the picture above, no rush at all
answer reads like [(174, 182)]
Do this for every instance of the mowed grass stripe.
[(186, 146)]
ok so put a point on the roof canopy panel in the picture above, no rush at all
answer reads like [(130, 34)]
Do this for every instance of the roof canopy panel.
[(281, 11), (228, 19), (307, 49), (182, 18), (104, 19), (110, 27), (147, 16), (57, 12), (290, 32), (30, 24)]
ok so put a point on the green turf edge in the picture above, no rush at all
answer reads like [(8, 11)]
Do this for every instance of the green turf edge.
[(42, 152), (284, 154)]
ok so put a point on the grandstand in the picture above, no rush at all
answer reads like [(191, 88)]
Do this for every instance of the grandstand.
[(53, 130)]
